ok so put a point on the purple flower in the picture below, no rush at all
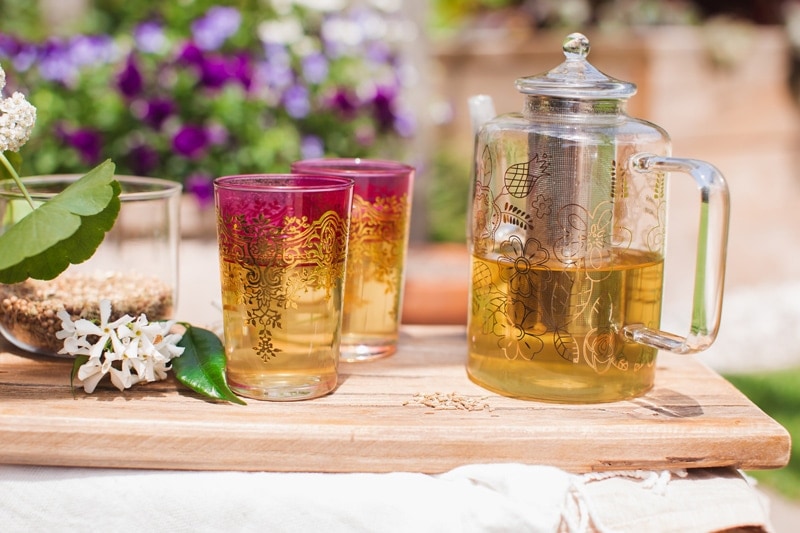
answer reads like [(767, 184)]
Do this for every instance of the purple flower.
[(295, 99), (344, 102), (201, 186), (212, 30), (217, 134), (22, 55), (312, 147), (142, 160), (213, 72), (405, 125), (61, 61), (274, 75), (87, 142), (190, 54), (157, 111), (190, 141), (150, 37), (383, 107), (25, 58), (241, 69), (55, 63), (216, 71), (86, 50), (379, 52), (129, 80), (9, 46), (315, 68), (275, 71)]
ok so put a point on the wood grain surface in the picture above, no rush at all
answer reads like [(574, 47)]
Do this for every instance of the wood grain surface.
[(373, 423)]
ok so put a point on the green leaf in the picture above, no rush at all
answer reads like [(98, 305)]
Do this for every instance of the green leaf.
[(201, 367), (67, 229)]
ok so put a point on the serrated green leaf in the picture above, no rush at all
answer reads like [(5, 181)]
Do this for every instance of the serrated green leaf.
[(65, 230), (201, 367)]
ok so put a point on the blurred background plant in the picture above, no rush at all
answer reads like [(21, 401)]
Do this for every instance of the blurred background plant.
[(191, 90)]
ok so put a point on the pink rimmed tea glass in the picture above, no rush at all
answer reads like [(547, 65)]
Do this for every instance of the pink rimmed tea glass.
[(282, 249), (377, 251)]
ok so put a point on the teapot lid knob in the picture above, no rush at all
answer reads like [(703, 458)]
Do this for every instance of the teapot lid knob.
[(576, 77), (576, 46)]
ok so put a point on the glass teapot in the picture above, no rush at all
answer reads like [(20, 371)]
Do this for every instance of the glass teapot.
[(567, 235)]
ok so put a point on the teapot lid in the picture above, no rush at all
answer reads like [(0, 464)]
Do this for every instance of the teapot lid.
[(576, 77)]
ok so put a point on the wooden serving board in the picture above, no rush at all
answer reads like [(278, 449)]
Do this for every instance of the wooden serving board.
[(373, 423)]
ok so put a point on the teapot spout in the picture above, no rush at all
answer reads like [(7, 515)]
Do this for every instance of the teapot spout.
[(481, 110)]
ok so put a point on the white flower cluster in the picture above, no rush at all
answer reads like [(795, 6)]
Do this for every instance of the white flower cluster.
[(131, 351), (17, 117)]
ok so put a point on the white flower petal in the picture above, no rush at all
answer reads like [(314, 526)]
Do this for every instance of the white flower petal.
[(161, 370), (132, 349), (91, 382), (97, 348), (149, 371), (123, 331), (76, 346), (63, 334), (105, 311), (66, 321), (87, 327), (117, 345), (89, 368), (139, 367), (121, 321), (122, 379)]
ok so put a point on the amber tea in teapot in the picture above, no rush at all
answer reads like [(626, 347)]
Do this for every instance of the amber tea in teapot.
[(567, 235)]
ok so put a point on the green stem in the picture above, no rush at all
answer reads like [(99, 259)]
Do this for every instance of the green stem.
[(6, 163)]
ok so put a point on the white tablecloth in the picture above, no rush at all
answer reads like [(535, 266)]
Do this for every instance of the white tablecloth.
[(473, 498)]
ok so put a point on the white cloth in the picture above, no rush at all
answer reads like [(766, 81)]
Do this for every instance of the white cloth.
[(474, 498)]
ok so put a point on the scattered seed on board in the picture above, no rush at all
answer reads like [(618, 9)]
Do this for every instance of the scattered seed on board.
[(451, 402)]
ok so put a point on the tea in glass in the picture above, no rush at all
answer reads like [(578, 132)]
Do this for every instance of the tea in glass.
[(282, 244), (555, 332), (378, 246)]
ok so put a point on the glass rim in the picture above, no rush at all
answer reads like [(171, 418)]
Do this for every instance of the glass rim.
[(283, 182), (353, 166), (161, 188)]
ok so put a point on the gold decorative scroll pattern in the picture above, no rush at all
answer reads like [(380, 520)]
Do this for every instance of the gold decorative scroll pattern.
[(262, 259), (380, 222)]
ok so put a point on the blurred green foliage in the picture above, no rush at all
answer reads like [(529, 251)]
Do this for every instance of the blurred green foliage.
[(448, 191), (777, 393)]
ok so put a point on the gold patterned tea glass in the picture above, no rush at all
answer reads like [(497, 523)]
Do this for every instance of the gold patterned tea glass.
[(282, 249), (377, 252)]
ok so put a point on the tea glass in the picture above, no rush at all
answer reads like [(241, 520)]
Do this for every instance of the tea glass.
[(378, 248), (135, 267), (282, 251)]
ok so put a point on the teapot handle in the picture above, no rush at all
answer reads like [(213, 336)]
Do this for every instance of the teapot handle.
[(712, 245)]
